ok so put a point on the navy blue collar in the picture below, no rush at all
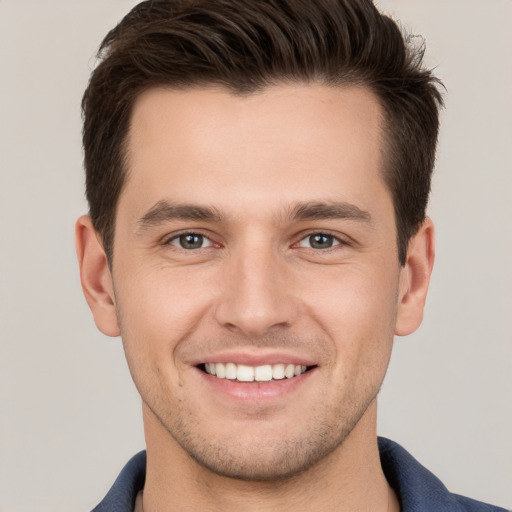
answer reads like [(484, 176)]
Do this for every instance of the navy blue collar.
[(417, 488)]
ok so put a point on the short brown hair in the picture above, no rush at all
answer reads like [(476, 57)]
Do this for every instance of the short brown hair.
[(246, 46)]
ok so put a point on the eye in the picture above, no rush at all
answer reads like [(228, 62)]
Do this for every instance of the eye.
[(319, 241), (190, 241)]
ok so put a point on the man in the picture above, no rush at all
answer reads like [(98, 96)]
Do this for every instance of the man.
[(258, 174)]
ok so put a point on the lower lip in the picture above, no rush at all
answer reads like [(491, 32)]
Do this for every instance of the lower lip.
[(255, 391)]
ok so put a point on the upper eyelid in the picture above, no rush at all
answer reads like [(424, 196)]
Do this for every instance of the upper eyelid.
[(169, 242), (343, 239), (172, 236), (338, 242)]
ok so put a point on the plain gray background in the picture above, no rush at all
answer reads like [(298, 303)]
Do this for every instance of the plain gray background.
[(69, 414)]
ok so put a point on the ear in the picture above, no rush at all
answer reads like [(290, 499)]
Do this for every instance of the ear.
[(95, 276), (414, 279)]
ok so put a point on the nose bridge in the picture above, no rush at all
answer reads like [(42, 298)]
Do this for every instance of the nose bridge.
[(255, 296)]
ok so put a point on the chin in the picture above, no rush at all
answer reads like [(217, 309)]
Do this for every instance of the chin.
[(259, 454), (261, 464)]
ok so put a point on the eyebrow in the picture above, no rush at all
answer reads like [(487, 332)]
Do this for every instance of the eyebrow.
[(329, 210), (165, 211)]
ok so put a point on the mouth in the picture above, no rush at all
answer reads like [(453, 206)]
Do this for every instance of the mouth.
[(261, 373)]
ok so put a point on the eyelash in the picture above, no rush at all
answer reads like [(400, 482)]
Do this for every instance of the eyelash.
[(334, 240), (176, 238)]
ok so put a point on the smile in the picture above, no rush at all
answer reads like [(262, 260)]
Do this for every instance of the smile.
[(263, 373)]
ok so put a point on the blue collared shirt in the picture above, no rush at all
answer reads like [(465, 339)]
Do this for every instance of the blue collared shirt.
[(418, 490)]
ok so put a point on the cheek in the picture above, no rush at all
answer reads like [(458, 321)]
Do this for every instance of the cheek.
[(357, 309), (157, 310), (161, 299)]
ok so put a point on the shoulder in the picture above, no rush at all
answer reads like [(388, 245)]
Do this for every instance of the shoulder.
[(122, 495), (470, 505), (418, 489)]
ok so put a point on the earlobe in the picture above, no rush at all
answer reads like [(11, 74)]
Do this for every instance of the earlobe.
[(415, 278), (95, 276)]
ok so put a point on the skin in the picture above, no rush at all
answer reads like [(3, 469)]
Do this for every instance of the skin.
[(258, 288)]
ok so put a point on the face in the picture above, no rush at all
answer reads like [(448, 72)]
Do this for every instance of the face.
[(255, 240)]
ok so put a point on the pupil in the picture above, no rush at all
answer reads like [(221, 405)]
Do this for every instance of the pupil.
[(320, 241), (191, 241)]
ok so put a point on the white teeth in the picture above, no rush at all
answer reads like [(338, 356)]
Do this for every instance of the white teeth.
[(231, 371), (220, 370), (245, 373), (289, 372), (278, 371), (263, 373)]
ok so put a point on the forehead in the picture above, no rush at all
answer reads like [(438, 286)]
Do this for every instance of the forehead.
[(291, 142)]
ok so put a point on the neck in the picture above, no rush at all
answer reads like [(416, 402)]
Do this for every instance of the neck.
[(349, 479)]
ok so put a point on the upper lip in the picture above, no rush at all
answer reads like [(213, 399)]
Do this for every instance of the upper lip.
[(255, 358)]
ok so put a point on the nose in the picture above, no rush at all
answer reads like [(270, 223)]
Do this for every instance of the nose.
[(257, 294)]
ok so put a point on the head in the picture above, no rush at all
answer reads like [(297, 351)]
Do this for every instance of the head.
[(257, 174), (245, 47)]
